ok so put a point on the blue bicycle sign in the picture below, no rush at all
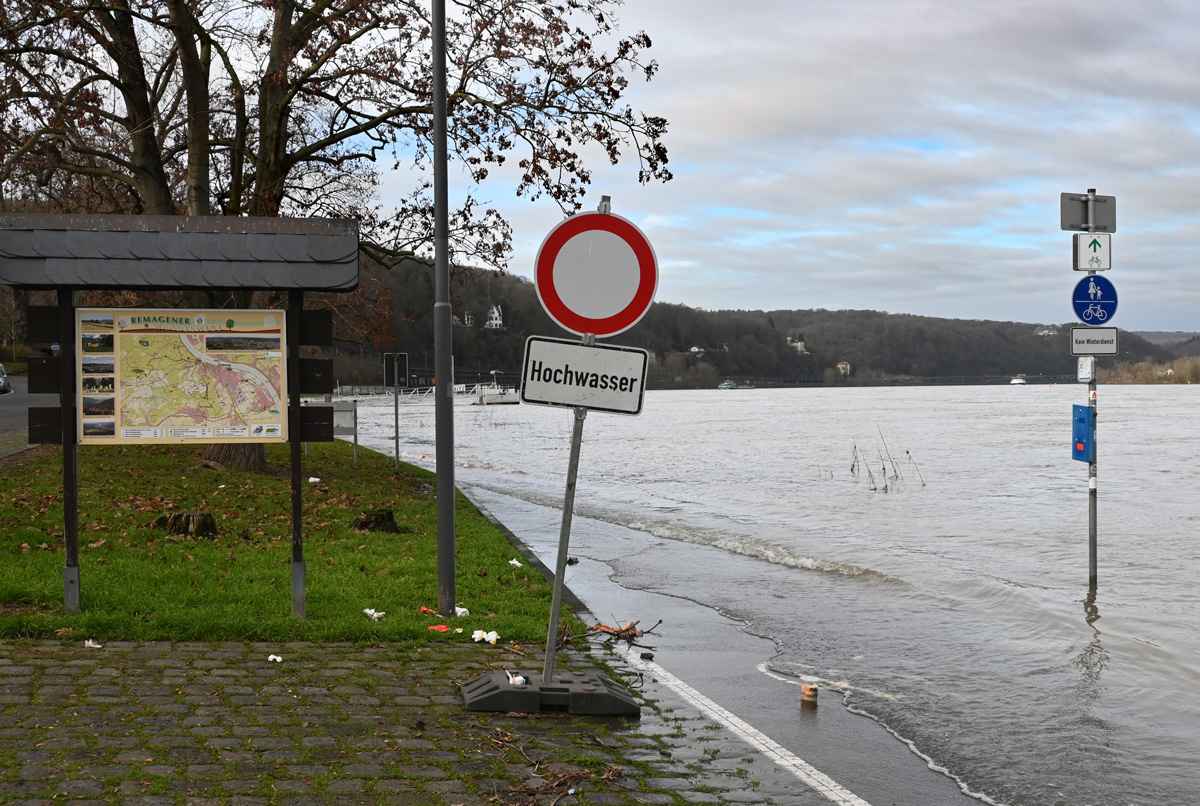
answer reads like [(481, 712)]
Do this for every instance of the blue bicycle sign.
[(1094, 299)]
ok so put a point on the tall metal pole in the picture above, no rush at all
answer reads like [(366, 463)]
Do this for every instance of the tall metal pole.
[(1092, 575), (396, 408), (443, 351)]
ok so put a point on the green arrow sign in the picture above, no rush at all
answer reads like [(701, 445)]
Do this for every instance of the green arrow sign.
[(1092, 251)]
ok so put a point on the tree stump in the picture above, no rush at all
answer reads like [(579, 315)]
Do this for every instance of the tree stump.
[(193, 524), (378, 520)]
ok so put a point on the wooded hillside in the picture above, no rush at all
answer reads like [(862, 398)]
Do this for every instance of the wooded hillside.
[(697, 348)]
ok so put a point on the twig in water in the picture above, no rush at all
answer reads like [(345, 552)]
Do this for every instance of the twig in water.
[(914, 464), (895, 469)]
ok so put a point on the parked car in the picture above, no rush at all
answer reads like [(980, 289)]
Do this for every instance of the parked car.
[(5, 386)]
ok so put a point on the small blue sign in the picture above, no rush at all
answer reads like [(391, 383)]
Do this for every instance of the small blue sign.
[(1094, 300)]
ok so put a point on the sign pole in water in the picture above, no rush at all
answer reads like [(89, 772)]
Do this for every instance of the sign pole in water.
[(1095, 302)]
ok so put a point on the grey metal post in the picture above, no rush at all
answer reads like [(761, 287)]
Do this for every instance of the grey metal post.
[(564, 536), (564, 539), (355, 410), (442, 348), (396, 409), (1092, 562)]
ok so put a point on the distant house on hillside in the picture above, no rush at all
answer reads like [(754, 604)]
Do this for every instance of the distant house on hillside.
[(844, 368), (495, 320), (1045, 332), (797, 345)]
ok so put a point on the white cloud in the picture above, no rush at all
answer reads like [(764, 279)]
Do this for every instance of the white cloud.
[(908, 156)]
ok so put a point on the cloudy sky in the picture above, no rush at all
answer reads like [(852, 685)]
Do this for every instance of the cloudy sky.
[(908, 155)]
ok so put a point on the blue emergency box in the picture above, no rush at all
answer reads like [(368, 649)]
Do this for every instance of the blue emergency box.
[(1083, 433)]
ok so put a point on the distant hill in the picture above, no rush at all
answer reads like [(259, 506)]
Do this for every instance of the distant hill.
[(1187, 348), (692, 347), (1165, 338)]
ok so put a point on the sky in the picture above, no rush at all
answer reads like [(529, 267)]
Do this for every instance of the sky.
[(909, 155)]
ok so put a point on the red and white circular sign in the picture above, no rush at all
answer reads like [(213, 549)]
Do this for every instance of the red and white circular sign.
[(596, 273)]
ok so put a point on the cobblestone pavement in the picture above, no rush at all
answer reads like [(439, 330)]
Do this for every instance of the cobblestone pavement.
[(205, 724)]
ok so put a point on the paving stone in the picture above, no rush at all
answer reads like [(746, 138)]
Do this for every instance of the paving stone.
[(215, 725)]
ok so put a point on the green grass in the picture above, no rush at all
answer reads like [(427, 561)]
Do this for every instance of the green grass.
[(141, 583)]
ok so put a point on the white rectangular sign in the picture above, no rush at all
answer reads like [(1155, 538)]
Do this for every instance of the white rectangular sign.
[(558, 372), (1093, 341), (1093, 251)]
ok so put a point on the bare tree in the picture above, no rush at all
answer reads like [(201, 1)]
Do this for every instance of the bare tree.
[(290, 107)]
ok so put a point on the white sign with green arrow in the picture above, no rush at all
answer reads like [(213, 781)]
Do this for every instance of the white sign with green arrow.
[(1093, 251)]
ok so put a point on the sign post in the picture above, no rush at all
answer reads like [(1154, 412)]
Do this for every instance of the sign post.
[(596, 275), (1095, 302), (395, 375)]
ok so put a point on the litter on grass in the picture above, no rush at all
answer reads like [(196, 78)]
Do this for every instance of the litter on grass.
[(375, 614), (515, 563), (274, 659), (438, 627), (458, 611), (491, 637), (90, 644)]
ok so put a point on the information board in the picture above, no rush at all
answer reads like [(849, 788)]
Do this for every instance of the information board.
[(179, 375)]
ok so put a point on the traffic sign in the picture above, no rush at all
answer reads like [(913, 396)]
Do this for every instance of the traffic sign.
[(1073, 212), (1093, 341), (395, 369), (1092, 251), (1094, 299), (559, 372), (596, 273)]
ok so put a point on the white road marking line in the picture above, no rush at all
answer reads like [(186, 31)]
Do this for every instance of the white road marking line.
[(810, 775)]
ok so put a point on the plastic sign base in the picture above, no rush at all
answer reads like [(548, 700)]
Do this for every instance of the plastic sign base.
[(569, 692)]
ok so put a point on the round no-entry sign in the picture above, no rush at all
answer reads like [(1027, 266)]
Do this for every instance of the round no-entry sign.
[(596, 273)]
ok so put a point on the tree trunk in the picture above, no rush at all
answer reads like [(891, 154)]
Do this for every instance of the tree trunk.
[(195, 65), (147, 158), (251, 457)]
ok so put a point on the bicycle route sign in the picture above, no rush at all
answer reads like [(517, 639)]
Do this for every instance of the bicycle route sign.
[(1094, 299)]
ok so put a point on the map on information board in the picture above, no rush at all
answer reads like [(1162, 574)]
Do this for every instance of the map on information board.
[(181, 375)]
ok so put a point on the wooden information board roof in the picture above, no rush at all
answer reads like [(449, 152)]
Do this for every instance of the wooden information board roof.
[(103, 251)]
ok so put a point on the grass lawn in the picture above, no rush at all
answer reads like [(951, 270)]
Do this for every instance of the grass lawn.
[(142, 583)]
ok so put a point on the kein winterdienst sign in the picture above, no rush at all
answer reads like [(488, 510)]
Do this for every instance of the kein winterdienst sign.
[(181, 375)]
